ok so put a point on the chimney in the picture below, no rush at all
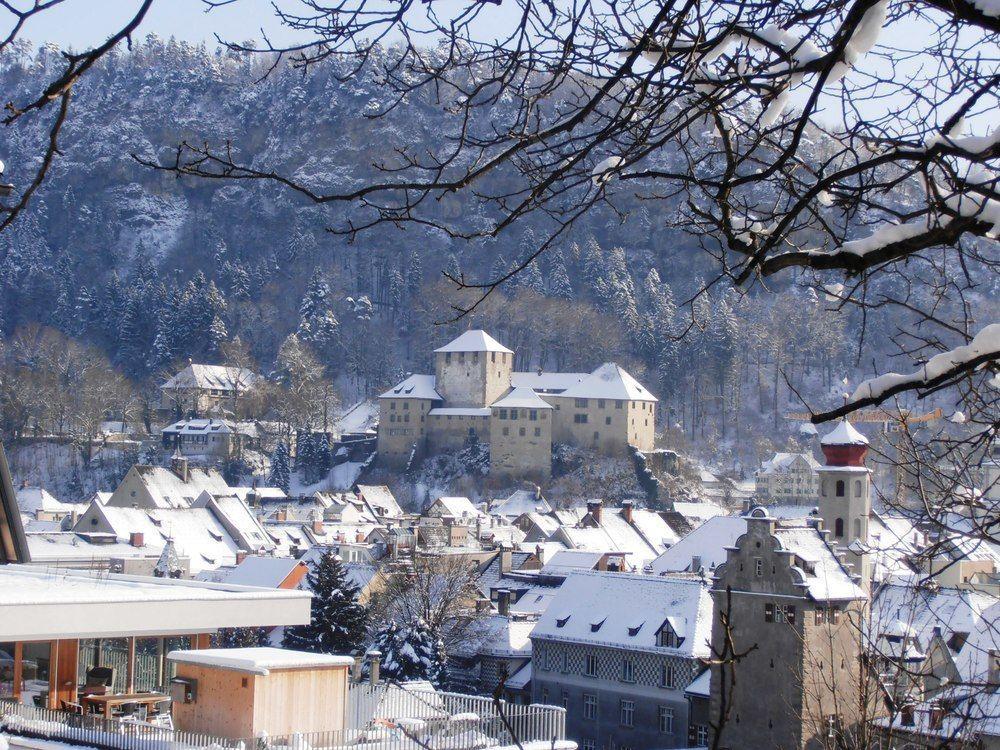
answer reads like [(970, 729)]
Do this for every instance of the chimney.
[(356, 669), (281, 515), (695, 563), (135, 539), (505, 559), (594, 508), (503, 602), (627, 510), (317, 526), (374, 664), (360, 537), (179, 465), (240, 557)]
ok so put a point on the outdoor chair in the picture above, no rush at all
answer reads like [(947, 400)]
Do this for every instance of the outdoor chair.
[(70, 707)]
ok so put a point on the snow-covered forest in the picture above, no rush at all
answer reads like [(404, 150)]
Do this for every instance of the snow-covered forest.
[(150, 270)]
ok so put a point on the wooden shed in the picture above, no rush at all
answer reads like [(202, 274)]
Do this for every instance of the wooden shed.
[(242, 692)]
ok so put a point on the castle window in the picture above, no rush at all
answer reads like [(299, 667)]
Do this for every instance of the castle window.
[(580, 418), (503, 414), (538, 432), (475, 358), (838, 526), (520, 431), (493, 356), (618, 403), (447, 358), (580, 403), (406, 405), (406, 418), (857, 487), (607, 420), (513, 413), (506, 430), (392, 417), (392, 405), (600, 403), (533, 415), (840, 488), (461, 358)]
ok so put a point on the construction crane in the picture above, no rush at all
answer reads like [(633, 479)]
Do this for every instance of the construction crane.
[(878, 415)]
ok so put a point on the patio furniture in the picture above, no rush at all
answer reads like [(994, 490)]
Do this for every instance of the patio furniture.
[(70, 707), (100, 677), (106, 704)]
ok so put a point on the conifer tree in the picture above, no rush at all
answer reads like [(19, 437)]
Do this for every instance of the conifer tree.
[(280, 475), (410, 652), (559, 283), (241, 638), (338, 623)]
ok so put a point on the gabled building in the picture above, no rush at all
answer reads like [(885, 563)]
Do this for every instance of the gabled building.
[(211, 438), (641, 535), (159, 487), (618, 650), (200, 390), (788, 478)]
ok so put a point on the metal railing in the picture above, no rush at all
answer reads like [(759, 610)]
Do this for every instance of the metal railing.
[(97, 731), (379, 717)]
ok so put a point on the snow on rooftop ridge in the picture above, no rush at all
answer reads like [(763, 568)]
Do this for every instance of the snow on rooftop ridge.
[(844, 434), (260, 660), (476, 340), (609, 381), (521, 397), (415, 386)]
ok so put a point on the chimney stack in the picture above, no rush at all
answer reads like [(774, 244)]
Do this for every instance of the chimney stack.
[(179, 465), (627, 510), (503, 602), (374, 665), (505, 559), (317, 526), (594, 508), (135, 539), (241, 555)]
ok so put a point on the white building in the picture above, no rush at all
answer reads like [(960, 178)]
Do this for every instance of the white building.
[(788, 478)]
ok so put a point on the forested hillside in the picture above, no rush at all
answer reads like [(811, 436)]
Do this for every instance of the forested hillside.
[(151, 270)]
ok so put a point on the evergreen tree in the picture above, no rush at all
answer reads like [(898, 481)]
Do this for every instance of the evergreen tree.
[(280, 475), (410, 652), (452, 268), (559, 283), (241, 638), (338, 623), (530, 278)]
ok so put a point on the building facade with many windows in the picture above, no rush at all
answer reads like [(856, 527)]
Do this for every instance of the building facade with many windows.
[(621, 671)]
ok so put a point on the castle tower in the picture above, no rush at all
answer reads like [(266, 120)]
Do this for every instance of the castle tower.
[(845, 494), (473, 371)]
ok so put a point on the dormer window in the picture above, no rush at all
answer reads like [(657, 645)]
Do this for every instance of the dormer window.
[(668, 638), (561, 621), (595, 625)]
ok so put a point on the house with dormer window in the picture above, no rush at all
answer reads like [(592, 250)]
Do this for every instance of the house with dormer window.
[(621, 671)]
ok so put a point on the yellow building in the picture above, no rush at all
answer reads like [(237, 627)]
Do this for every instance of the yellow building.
[(475, 396)]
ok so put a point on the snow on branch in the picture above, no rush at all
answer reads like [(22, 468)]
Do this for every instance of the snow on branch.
[(940, 369)]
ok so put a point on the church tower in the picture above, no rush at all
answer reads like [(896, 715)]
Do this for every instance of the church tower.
[(845, 495)]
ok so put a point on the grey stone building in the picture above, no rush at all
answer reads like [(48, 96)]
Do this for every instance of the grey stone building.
[(617, 651)]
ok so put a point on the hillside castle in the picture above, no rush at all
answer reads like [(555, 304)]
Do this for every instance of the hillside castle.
[(475, 396)]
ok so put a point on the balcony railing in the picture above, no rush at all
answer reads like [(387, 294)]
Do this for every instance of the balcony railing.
[(379, 717)]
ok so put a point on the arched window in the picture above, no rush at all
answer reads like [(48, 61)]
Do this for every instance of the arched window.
[(857, 528), (840, 488), (857, 488), (838, 526), (824, 488)]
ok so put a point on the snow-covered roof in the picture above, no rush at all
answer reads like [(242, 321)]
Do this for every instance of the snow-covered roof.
[(238, 519), (520, 679), (782, 462), (609, 381), (460, 411), (500, 635), (520, 397), (476, 340), (457, 507), (34, 499), (197, 533), (843, 434), (708, 541), (217, 377), (168, 490), (378, 499), (415, 386), (548, 382), (618, 609), (210, 427), (518, 503), (266, 572), (824, 576), (644, 539), (701, 686), (51, 547), (259, 660), (566, 561), (51, 604), (697, 513)]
